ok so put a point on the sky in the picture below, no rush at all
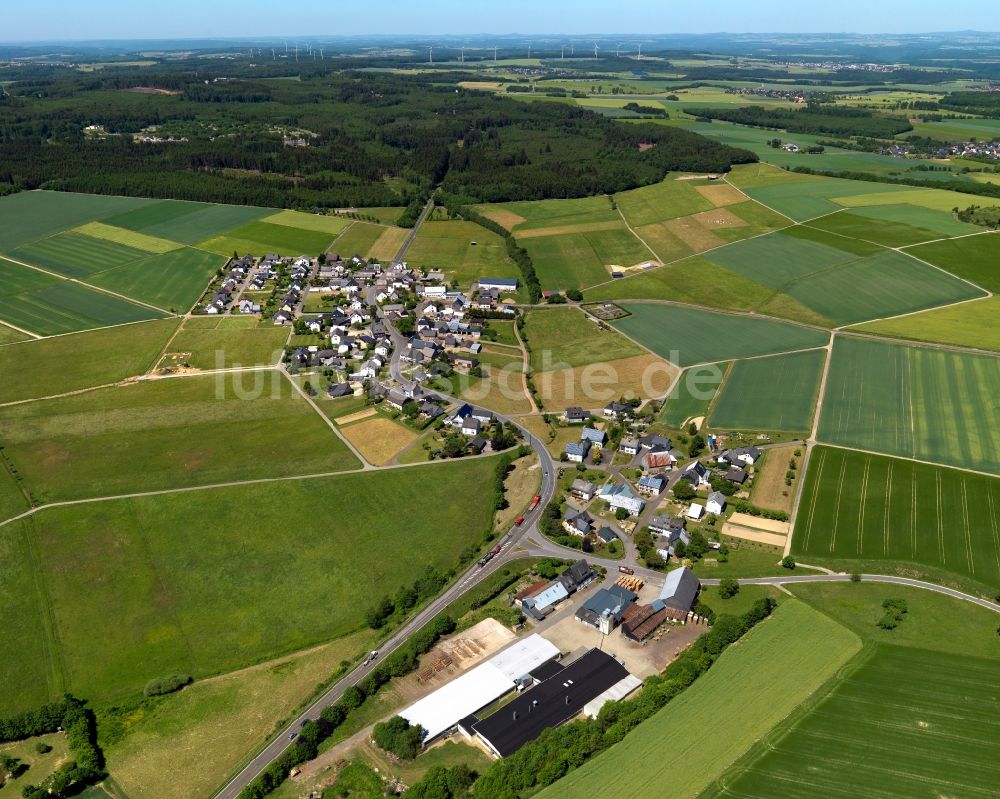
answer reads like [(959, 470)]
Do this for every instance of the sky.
[(48, 20)]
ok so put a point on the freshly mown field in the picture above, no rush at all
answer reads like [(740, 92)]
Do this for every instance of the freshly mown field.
[(874, 508), (463, 250), (971, 324), (693, 394), (885, 718), (378, 439), (776, 393), (168, 434), (186, 222), (172, 280), (77, 255), (187, 583), (687, 336), (48, 305), (973, 258), (563, 336), (785, 660), (40, 368), (223, 342), (259, 237), (916, 402)]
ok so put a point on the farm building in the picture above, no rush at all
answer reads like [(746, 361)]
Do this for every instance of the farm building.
[(544, 602), (440, 711), (615, 693), (550, 703), (638, 622), (680, 589), (605, 608), (498, 283)]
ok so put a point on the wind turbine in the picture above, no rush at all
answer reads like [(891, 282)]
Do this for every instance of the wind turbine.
[(296, 52), (529, 49), (618, 50), (595, 50), (430, 56), (321, 54), (286, 46), (494, 54), (640, 51), (274, 56), (562, 52), (461, 56)]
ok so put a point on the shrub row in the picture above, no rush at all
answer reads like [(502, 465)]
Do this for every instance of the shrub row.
[(167, 685)]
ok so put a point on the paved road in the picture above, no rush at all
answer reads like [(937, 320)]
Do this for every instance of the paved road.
[(413, 233)]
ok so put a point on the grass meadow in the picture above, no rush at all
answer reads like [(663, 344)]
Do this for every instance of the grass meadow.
[(186, 222), (684, 404), (99, 599), (871, 508), (303, 221), (567, 336), (357, 239), (258, 237), (971, 324), (172, 280), (539, 214), (798, 649), (168, 433), (894, 225), (577, 260), (449, 246), (668, 199), (775, 393), (915, 402), (226, 341), (693, 336), (973, 258), (129, 238)]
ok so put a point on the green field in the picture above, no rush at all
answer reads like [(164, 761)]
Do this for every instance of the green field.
[(807, 199), (715, 721), (536, 214), (130, 238), (260, 237), (561, 337), (973, 258), (688, 336), (971, 324), (77, 255), (168, 434), (577, 260), (48, 305), (915, 402), (207, 343), (186, 222), (874, 508), (317, 222), (449, 246), (12, 499), (668, 199), (173, 280), (776, 393), (693, 394), (9, 335), (894, 225), (187, 583), (357, 239), (898, 706), (32, 215)]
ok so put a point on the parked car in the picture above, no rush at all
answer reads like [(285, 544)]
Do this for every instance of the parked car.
[(496, 550), (626, 570)]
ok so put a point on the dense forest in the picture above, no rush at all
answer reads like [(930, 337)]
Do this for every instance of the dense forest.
[(324, 137), (813, 119)]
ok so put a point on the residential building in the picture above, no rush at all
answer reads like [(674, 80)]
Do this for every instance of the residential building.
[(578, 523), (696, 474), (576, 451), (619, 495), (716, 503), (651, 485), (595, 437), (575, 415), (583, 490), (629, 446)]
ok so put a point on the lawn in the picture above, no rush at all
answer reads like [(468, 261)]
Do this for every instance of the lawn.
[(668, 199), (387, 246), (688, 336), (186, 582), (900, 704), (44, 367), (184, 745), (971, 324), (563, 336), (914, 402), (168, 434), (357, 239), (32, 215), (259, 237), (172, 280), (186, 222), (449, 246), (77, 255), (776, 393), (48, 305), (378, 439), (39, 766), (730, 707), (873, 508), (693, 394), (207, 343), (973, 258)]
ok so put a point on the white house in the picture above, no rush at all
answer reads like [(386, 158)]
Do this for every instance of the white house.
[(695, 512), (716, 503), (621, 496)]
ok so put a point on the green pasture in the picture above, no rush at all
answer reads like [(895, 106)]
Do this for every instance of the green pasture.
[(187, 222), (575, 260), (168, 434), (971, 324), (950, 130), (187, 582), (668, 199), (894, 225), (385, 215), (563, 337), (12, 498), (775, 393), (449, 246), (930, 199), (895, 708), (688, 336), (48, 305), (807, 199), (303, 221), (31, 215), (786, 659), (263, 237), (130, 238), (76, 255), (973, 258), (358, 239), (915, 402), (9, 335), (43, 367), (173, 280), (693, 394), (554, 213), (234, 341), (858, 506), (762, 174)]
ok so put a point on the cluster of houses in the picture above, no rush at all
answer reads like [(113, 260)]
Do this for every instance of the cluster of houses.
[(539, 600)]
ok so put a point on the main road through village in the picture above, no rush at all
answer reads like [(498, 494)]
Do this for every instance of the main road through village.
[(535, 545)]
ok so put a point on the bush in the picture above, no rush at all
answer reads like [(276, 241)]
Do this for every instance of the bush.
[(728, 587), (167, 685), (42, 748), (788, 562), (855, 577), (397, 736)]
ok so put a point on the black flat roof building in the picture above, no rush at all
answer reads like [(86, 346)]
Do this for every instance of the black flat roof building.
[(552, 702)]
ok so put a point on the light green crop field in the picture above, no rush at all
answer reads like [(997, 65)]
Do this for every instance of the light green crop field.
[(874, 508), (173, 280), (885, 718), (687, 336), (972, 324), (318, 222), (187, 222), (130, 238), (576, 260), (693, 394), (751, 688), (358, 239), (185, 583), (567, 337), (76, 255), (668, 199), (894, 225), (915, 402), (48, 305), (386, 215), (933, 199), (233, 341), (973, 258), (262, 237), (168, 434), (535, 214), (762, 174), (449, 246), (802, 200), (776, 393), (42, 367), (32, 215)]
